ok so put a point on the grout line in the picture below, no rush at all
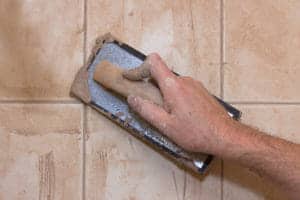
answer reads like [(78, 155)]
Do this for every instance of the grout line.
[(123, 17), (222, 179), (263, 103), (84, 129), (40, 102), (85, 31), (193, 33), (84, 117), (82, 152), (222, 58)]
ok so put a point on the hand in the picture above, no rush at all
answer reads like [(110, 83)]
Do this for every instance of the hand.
[(190, 117), (193, 119)]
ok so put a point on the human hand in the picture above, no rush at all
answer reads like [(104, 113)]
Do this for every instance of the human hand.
[(193, 119), (190, 116)]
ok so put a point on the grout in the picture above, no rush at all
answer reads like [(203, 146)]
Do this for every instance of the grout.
[(83, 151), (123, 17), (193, 26), (222, 60), (85, 31), (40, 102), (222, 45), (84, 129), (84, 113), (222, 179)]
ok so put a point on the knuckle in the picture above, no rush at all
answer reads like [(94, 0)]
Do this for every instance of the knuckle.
[(173, 122), (171, 82), (173, 85), (168, 106), (155, 60), (139, 108), (179, 84), (154, 55)]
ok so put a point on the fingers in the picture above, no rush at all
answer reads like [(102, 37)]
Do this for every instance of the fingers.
[(151, 112), (164, 77), (160, 71), (139, 73), (153, 66)]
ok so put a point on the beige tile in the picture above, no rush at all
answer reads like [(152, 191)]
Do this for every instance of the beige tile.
[(241, 183), (262, 50), (185, 33), (104, 16), (40, 151), (278, 120), (118, 166), (40, 48)]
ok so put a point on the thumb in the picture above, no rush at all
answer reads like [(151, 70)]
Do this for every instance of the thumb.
[(151, 112)]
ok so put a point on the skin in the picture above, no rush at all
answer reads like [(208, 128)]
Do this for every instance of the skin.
[(110, 76), (193, 119)]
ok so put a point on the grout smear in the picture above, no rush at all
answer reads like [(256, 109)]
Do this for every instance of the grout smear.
[(47, 176)]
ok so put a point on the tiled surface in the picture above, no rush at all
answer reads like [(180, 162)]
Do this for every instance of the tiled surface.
[(118, 166), (262, 50), (185, 33), (241, 183), (40, 48), (279, 120), (40, 151)]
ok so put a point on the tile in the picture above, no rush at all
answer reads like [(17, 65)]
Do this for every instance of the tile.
[(278, 120), (118, 166), (41, 48), (241, 183), (262, 43), (40, 151), (184, 33), (104, 16)]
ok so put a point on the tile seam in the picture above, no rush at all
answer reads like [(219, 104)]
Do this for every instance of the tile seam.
[(222, 179), (263, 103), (83, 151), (222, 82), (75, 102), (85, 31), (84, 129), (84, 112), (222, 59)]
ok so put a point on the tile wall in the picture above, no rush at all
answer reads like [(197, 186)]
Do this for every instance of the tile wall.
[(246, 52)]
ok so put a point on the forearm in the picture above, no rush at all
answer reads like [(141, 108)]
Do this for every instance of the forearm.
[(273, 158)]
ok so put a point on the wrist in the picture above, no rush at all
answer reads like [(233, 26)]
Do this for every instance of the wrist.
[(239, 140), (232, 136)]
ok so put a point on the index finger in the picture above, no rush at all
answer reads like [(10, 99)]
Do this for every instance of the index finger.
[(160, 72)]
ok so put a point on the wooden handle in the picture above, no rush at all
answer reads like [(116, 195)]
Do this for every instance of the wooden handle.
[(110, 77)]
